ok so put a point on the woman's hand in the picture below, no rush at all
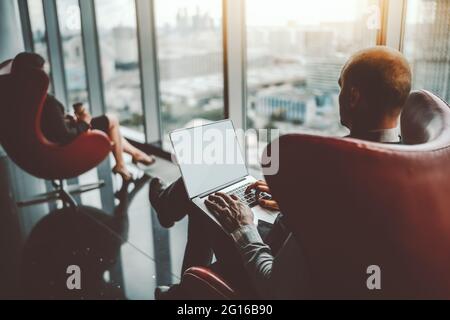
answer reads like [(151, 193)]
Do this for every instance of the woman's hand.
[(85, 116), (262, 187), (230, 212)]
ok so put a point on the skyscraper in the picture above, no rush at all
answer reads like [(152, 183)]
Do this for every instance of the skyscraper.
[(427, 45)]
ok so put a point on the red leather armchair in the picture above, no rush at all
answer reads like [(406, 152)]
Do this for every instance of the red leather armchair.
[(22, 97), (202, 284), (353, 204)]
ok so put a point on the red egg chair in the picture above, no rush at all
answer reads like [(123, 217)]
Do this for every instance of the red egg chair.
[(22, 97)]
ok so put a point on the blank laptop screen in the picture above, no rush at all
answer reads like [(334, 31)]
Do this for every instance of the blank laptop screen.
[(209, 157)]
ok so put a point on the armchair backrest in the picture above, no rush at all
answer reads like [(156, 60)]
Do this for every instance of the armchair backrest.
[(22, 99), (5, 67)]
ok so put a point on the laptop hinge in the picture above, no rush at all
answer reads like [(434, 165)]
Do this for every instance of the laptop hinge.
[(203, 195)]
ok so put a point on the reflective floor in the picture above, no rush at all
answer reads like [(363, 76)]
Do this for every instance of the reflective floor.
[(121, 250), (152, 255), (123, 254)]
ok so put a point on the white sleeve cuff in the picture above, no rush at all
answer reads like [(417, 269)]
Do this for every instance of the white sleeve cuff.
[(246, 235)]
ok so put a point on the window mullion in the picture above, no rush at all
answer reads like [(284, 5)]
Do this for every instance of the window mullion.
[(95, 89), (235, 61), (395, 23), (27, 32), (149, 69), (55, 50), (92, 57)]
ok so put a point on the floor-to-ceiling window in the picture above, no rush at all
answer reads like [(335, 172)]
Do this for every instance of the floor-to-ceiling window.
[(117, 34), (295, 52), (427, 44), (190, 61), (69, 20)]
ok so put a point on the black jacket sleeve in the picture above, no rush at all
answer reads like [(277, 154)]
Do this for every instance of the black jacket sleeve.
[(56, 127)]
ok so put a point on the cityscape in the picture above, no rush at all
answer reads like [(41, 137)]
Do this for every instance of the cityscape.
[(427, 45), (292, 68)]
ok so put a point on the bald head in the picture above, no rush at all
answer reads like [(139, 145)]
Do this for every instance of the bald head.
[(375, 84)]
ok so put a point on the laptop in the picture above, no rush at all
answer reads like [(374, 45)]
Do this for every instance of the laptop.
[(211, 160)]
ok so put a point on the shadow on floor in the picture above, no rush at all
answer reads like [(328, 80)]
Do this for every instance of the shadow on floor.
[(87, 238)]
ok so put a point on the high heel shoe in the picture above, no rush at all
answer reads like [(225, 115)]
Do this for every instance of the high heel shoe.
[(123, 172), (144, 159)]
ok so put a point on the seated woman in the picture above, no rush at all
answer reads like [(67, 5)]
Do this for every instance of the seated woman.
[(61, 128)]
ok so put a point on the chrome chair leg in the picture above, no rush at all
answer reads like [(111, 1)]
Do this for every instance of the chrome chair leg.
[(61, 193)]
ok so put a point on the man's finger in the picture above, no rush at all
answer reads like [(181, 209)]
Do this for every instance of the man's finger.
[(211, 205), (253, 186), (234, 197), (218, 200), (222, 214), (268, 204), (263, 189), (214, 207), (230, 201), (258, 186)]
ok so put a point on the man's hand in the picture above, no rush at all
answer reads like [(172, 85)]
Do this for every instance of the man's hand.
[(262, 187), (85, 116), (230, 212)]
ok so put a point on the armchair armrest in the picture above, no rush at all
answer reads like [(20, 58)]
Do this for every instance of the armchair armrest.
[(203, 284), (87, 151)]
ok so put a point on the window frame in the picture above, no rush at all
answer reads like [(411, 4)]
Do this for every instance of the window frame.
[(148, 59), (234, 60), (55, 50), (27, 30), (395, 27)]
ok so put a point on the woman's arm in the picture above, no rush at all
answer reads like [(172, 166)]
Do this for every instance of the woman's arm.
[(55, 126)]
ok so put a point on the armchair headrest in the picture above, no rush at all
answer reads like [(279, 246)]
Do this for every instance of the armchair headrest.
[(425, 118), (5, 67)]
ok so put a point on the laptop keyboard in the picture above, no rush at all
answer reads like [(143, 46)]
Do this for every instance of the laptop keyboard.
[(246, 198)]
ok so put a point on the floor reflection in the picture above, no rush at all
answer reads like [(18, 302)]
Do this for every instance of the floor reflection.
[(65, 238), (122, 255), (86, 237)]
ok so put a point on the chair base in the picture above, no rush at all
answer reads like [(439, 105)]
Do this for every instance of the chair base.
[(61, 193)]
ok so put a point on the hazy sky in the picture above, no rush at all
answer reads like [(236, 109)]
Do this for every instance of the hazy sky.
[(278, 12), (122, 11), (259, 12), (111, 13)]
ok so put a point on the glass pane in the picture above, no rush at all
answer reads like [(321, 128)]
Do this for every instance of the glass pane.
[(190, 58), (116, 24), (427, 44), (294, 62), (73, 51), (37, 21)]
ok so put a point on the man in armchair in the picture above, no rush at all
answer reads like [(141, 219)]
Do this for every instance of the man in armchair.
[(375, 84)]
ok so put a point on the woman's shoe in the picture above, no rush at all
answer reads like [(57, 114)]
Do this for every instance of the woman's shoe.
[(123, 172), (144, 159)]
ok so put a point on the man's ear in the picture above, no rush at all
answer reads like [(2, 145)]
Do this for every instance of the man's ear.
[(355, 98)]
